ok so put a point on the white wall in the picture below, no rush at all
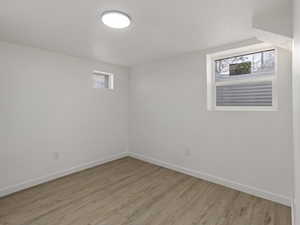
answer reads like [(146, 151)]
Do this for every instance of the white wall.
[(49, 109), (169, 124), (296, 97)]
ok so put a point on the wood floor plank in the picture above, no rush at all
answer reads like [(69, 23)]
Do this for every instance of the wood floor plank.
[(132, 192), (23, 198), (59, 201)]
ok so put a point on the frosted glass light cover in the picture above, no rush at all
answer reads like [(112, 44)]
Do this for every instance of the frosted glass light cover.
[(116, 19)]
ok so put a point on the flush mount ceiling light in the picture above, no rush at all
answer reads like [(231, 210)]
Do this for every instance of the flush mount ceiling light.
[(116, 19)]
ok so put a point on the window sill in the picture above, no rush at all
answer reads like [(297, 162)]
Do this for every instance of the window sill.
[(244, 109)]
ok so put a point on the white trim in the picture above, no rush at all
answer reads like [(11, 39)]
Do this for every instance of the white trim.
[(245, 108), (282, 41), (110, 78), (212, 84), (241, 51), (218, 180), (98, 72), (33, 182), (211, 178), (293, 208)]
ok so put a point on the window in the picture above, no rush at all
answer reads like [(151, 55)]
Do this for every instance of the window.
[(242, 79), (102, 80)]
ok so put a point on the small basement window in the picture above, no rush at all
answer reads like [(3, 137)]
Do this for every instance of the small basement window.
[(242, 79), (103, 80)]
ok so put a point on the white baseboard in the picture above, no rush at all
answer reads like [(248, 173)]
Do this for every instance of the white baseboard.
[(218, 180), (30, 183), (214, 179)]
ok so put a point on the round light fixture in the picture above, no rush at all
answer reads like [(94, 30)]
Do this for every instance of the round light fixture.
[(116, 19)]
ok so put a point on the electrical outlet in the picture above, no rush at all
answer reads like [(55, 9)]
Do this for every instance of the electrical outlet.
[(56, 155)]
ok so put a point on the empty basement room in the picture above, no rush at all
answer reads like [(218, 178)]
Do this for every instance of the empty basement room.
[(154, 112)]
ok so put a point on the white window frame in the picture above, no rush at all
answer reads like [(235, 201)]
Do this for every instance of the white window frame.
[(110, 79), (212, 84)]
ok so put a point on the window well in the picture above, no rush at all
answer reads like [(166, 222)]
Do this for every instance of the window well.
[(242, 80), (103, 80)]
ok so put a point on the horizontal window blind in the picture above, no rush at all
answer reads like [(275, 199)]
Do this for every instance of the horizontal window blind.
[(250, 94)]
